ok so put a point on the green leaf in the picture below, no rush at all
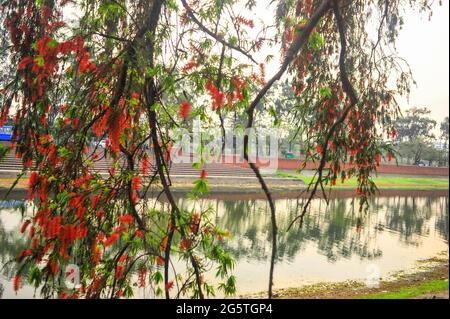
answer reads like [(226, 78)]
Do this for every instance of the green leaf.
[(325, 92), (39, 60), (157, 277)]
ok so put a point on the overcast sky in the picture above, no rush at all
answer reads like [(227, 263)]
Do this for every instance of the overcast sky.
[(424, 44)]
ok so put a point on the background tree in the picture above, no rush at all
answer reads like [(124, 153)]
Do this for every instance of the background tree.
[(416, 123), (444, 132)]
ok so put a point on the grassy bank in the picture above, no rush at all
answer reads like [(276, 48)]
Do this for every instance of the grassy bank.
[(429, 287), (384, 182), (285, 181), (429, 279)]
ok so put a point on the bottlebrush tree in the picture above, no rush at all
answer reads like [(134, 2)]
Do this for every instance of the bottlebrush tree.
[(130, 72)]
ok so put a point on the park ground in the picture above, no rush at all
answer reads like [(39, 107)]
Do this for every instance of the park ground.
[(284, 181)]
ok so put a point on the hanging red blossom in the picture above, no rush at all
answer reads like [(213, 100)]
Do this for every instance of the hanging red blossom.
[(169, 285), (185, 109), (16, 282), (25, 225), (126, 219), (32, 182), (145, 164), (111, 240), (119, 271), (160, 260)]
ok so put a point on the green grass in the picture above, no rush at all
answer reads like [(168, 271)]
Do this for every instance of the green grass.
[(411, 292), (384, 182)]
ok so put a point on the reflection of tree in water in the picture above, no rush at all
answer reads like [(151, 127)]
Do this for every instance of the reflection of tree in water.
[(408, 216), (11, 242), (333, 229), (442, 218)]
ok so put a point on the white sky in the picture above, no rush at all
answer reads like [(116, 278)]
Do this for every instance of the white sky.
[(425, 45)]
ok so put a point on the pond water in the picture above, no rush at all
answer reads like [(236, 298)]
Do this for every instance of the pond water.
[(335, 243)]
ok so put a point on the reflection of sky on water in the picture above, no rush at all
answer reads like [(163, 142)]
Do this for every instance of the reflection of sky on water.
[(393, 235)]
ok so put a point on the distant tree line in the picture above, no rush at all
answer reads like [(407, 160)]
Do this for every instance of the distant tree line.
[(417, 142)]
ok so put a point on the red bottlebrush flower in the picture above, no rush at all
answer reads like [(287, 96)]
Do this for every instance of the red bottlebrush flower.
[(169, 285), (25, 225), (128, 219), (96, 257), (139, 233), (333, 182), (120, 230), (34, 243), (195, 222), (116, 125), (32, 182), (319, 148), (378, 158), (244, 21), (342, 180), (136, 183), (24, 62), (185, 109), (163, 244), (16, 282), (394, 133), (32, 231), (142, 277), (123, 258), (160, 260), (189, 66), (119, 271), (145, 164), (203, 174), (54, 266), (111, 240), (389, 157), (218, 97), (185, 243), (95, 201)]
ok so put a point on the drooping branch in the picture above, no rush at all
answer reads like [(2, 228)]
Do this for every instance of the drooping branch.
[(353, 99), (212, 34), (293, 50)]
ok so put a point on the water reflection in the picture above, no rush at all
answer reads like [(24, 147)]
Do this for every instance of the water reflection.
[(336, 242), (338, 230)]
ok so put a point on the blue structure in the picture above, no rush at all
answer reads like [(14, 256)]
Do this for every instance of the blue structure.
[(6, 133)]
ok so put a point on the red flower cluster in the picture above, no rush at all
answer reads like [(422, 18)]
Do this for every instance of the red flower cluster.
[(16, 282), (111, 239), (145, 164), (217, 96), (119, 271), (203, 174), (189, 66), (128, 219), (169, 285), (244, 21), (185, 109), (32, 183), (142, 275), (185, 243)]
